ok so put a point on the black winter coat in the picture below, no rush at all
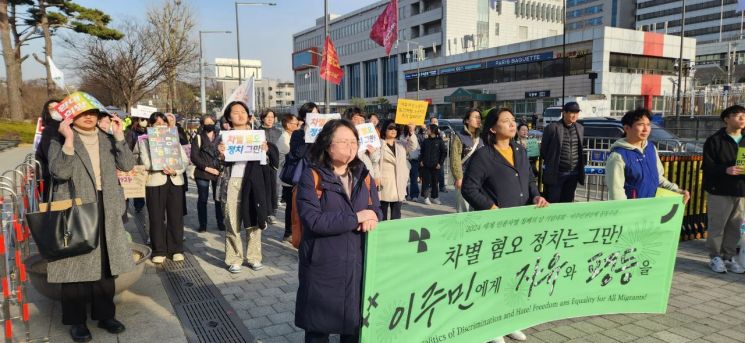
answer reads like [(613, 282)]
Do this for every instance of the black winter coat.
[(553, 136), (490, 180), (720, 153), (331, 254), (204, 154), (48, 134), (434, 152)]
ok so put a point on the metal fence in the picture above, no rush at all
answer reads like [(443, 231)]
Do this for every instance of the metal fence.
[(682, 168)]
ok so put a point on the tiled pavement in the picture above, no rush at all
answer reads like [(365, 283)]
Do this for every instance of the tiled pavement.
[(704, 307)]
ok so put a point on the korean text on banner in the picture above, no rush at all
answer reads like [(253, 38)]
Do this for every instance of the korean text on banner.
[(77, 103), (314, 122), (384, 31), (243, 145), (411, 111), (165, 150), (142, 111), (133, 182), (368, 136), (470, 277)]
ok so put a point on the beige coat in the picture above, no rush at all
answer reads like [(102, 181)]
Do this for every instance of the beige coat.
[(394, 172)]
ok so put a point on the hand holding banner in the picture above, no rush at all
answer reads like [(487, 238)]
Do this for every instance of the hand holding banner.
[(411, 111), (314, 122), (243, 145)]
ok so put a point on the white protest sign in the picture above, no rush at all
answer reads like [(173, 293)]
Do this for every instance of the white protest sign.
[(368, 136), (142, 111), (243, 145), (314, 122)]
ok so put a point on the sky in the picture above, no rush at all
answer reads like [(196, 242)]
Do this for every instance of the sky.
[(266, 32)]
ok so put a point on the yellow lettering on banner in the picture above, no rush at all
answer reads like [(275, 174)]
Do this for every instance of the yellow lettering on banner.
[(411, 111)]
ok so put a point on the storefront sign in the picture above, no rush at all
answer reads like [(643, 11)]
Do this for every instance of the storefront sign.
[(538, 94)]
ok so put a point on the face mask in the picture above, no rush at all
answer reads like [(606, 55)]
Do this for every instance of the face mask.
[(55, 115), (208, 127)]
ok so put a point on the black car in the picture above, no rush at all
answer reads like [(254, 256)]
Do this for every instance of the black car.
[(601, 132)]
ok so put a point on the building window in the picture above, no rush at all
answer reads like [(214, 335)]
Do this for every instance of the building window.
[(371, 79), (354, 80), (496, 29), (522, 32), (340, 93), (390, 76)]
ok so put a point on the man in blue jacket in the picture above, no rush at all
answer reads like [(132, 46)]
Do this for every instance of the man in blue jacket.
[(725, 184)]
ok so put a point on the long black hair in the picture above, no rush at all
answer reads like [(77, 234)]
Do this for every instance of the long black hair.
[(319, 150), (46, 117), (305, 109), (492, 118)]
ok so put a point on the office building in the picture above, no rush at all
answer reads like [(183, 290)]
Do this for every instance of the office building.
[(584, 14)]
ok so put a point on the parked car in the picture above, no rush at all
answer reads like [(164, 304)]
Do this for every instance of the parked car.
[(612, 129)]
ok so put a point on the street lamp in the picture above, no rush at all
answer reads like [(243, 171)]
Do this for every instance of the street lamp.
[(238, 30), (202, 91)]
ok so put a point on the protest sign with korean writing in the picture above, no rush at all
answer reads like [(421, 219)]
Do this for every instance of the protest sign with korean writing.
[(142, 111), (534, 147), (77, 103), (133, 182), (470, 277), (411, 111), (243, 145), (165, 149), (368, 136), (314, 122)]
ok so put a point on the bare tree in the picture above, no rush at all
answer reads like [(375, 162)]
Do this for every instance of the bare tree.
[(128, 69), (170, 26), (12, 38)]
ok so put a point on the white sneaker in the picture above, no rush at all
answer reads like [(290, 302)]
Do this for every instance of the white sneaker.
[(518, 336), (234, 268), (717, 265), (256, 266), (178, 257), (499, 339), (734, 266), (159, 259), (427, 202), (436, 201)]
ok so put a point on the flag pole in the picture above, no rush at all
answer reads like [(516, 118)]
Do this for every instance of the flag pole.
[(326, 104)]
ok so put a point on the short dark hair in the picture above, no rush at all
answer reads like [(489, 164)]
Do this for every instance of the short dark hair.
[(729, 111), (634, 116), (491, 119), (305, 109), (373, 114), (384, 127), (319, 150), (265, 113), (287, 118), (353, 111), (434, 129), (154, 117), (226, 113)]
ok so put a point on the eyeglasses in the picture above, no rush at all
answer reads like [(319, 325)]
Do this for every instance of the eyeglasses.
[(347, 143)]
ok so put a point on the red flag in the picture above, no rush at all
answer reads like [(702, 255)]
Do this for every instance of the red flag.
[(385, 30), (330, 69)]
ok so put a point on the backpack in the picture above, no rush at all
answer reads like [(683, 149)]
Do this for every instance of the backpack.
[(297, 228)]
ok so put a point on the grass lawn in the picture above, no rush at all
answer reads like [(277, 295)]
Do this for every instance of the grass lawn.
[(18, 130)]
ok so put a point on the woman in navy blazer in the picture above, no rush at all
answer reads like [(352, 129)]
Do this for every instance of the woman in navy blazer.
[(499, 174)]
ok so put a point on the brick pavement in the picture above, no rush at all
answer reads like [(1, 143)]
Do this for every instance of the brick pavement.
[(703, 307)]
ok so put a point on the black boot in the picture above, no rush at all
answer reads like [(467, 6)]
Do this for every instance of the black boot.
[(80, 333), (111, 325)]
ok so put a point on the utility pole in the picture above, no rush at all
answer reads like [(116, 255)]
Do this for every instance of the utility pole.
[(678, 104)]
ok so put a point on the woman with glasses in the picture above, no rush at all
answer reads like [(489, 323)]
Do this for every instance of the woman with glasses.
[(394, 169), (335, 224)]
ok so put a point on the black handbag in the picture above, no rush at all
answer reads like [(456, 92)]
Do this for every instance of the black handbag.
[(68, 232)]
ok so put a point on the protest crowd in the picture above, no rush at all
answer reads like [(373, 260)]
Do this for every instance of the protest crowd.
[(337, 176)]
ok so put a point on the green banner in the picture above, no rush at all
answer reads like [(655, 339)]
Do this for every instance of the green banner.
[(470, 277)]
